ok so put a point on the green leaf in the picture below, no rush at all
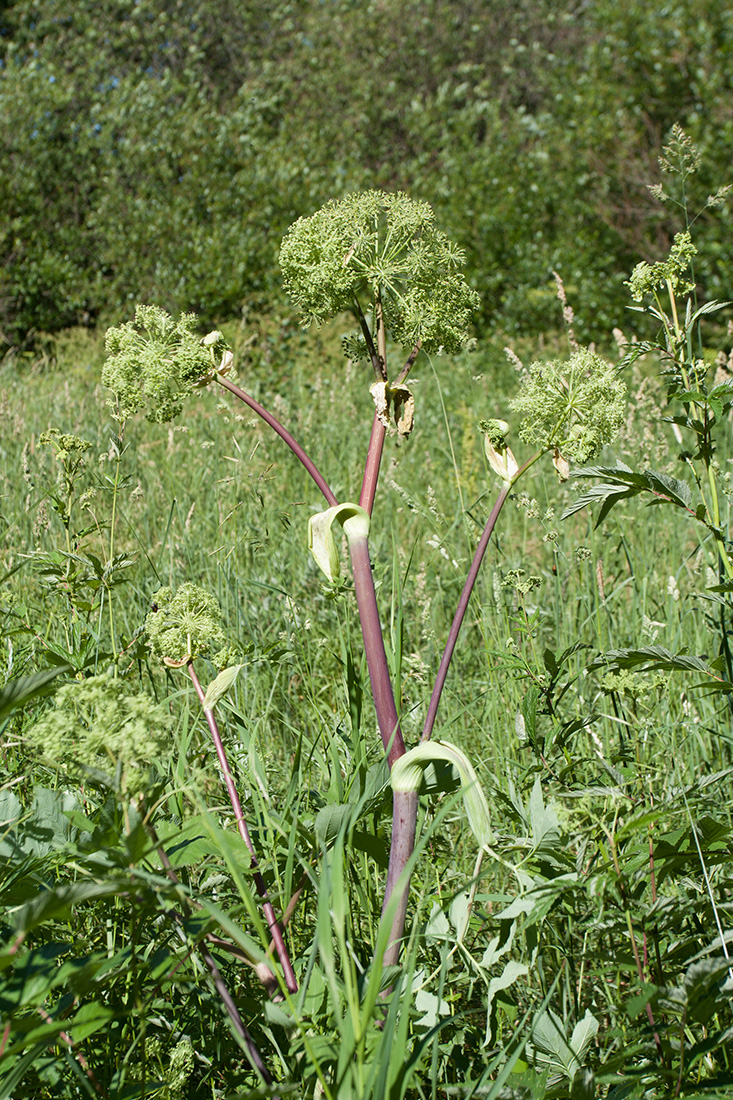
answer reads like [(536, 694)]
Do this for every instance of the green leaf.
[(621, 482), (321, 542), (583, 1035), (649, 658), (17, 693), (220, 686), (330, 820), (408, 773), (550, 1042)]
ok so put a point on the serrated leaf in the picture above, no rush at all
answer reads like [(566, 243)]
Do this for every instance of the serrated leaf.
[(512, 971), (551, 1043), (543, 819), (220, 686), (708, 307), (648, 658), (620, 482), (549, 1040), (678, 491)]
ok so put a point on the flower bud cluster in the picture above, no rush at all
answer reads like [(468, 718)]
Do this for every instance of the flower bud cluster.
[(646, 278), (380, 243), (101, 724), (573, 407), (154, 362), (186, 625)]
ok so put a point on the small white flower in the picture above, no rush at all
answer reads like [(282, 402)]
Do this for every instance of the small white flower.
[(672, 589)]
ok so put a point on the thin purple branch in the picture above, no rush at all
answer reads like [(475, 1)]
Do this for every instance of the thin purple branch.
[(284, 434), (450, 645), (269, 912)]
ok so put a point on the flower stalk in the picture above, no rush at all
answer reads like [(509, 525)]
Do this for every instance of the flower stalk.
[(269, 913)]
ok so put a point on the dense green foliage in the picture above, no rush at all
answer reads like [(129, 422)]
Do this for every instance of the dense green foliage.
[(157, 152), (585, 952)]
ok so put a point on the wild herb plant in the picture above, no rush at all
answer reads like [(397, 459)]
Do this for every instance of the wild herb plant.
[(575, 954), (380, 256), (700, 396)]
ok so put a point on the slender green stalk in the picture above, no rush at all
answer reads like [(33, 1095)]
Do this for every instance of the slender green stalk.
[(112, 523)]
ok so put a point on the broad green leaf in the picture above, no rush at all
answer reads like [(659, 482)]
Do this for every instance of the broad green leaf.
[(583, 1035), (550, 1043), (330, 820), (543, 819), (407, 775)]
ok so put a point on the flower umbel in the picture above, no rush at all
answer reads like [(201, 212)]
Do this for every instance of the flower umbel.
[(380, 243), (574, 406), (186, 625), (99, 723), (154, 362)]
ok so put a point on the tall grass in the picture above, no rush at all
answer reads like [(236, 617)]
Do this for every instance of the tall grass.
[(581, 957)]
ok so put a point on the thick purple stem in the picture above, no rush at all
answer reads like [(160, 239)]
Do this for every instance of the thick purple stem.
[(284, 434), (269, 912), (371, 469), (404, 806), (404, 827), (371, 629), (459, 616)]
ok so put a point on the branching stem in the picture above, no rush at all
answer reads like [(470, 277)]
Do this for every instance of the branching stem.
[(284, 434), (272, 924)]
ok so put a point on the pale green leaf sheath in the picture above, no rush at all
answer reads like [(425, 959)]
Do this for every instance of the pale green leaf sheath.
[(321, 541), (407, 775)]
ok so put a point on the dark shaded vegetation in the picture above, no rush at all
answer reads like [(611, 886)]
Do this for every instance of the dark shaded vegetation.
[(156, 151)]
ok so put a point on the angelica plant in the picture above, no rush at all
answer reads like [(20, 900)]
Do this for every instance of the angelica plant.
[(380, 257)]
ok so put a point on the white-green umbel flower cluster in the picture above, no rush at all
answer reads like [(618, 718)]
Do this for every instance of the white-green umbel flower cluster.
[(377, 243)]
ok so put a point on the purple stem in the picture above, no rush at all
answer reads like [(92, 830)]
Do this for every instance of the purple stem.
[(404, 827), (284, 434), (219, 983), (240, 1027), (450, 645), (269, 912), (371, 469), (405, 805), (371, 629)]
